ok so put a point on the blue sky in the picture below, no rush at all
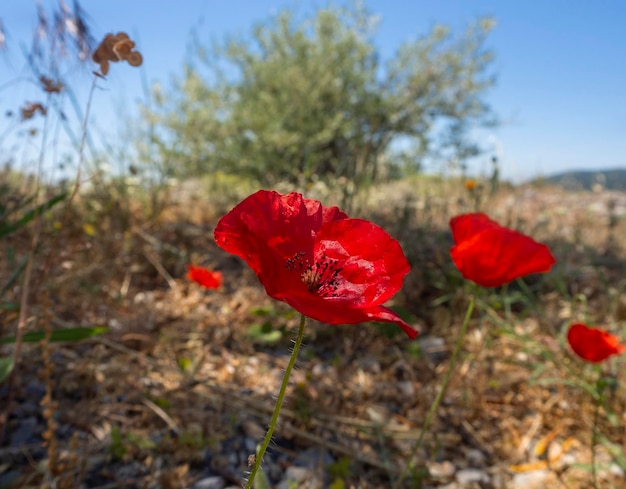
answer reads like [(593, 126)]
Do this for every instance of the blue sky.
[(561, 65)]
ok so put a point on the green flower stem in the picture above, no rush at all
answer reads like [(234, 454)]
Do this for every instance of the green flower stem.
[(594, 440), (279, 403), (598, 400), (506, 299), (444, 385)]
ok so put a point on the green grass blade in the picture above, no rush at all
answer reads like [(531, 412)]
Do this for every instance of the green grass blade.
[(6, 366), (8, 228), (14, 276), (68, 334)]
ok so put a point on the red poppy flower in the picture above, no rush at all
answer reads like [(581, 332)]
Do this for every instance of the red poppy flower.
[(593, 344), (492, 255), (205, 277), (325, 265)]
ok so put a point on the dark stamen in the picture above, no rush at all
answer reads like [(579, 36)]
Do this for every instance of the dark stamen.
[(319, 277)]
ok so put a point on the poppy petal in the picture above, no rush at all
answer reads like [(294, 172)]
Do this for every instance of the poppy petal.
[(592, 344), (492, 255), (373, 264), (340, 312), (327, 266), (267, 219), (465, 226), (204, 277)]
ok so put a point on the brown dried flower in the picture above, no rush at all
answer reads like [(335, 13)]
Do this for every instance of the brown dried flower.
[(51, 86), (114, 48), (30, 109), (135, 58), (123, 48)]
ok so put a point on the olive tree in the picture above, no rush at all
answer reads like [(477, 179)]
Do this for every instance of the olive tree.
[(312, 96)]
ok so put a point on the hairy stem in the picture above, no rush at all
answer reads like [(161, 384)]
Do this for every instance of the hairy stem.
[(279, 403), (594, 431)]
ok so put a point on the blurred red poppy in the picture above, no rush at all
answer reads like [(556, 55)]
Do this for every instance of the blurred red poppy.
[(324, 264), (492, 255), (205, 277), (593, 344)]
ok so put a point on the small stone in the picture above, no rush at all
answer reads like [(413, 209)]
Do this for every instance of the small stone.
[(314, 458), (433, 348), (370, 365), (452, 485), (297, 474), (300, 477), (26, 409), (35, 389), (132, 470), (233, 459), (535, 479), (250, 444), (26, 433), (320, 370), (115, 324), (476, 458), (616, 471), (214, 482), (407, 388), (378, 414), (555, 453), (469, 476), (443, 470), (569, 459), (143, 298)]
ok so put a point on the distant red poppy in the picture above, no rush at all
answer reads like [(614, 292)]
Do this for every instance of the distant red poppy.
[(205, 277), (324, 264), (492, 255), (470, 184), (593, 344)]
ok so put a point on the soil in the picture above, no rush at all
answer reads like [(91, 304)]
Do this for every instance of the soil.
[(182, 384)]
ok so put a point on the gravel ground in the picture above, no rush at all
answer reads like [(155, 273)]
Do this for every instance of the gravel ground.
[(177, 394)]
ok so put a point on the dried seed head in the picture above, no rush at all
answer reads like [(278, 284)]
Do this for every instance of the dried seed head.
[(114, 48), (51, 86), (29, 110), (135, 58)]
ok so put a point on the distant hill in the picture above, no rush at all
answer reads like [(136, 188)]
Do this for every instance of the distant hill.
[(614, 179)]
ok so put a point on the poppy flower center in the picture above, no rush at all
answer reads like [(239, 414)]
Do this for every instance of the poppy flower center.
[(320, 277)]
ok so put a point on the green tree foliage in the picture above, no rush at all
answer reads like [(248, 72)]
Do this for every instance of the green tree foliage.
[(311, 97)]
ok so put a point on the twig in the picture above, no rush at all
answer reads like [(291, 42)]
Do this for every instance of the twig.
[(261, 409), (26, 287), (476, 438), (157, 243), (161, 414), (25, 292), (162, 271)]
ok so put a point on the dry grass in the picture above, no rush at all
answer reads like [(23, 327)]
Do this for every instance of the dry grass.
[(177, 374)]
